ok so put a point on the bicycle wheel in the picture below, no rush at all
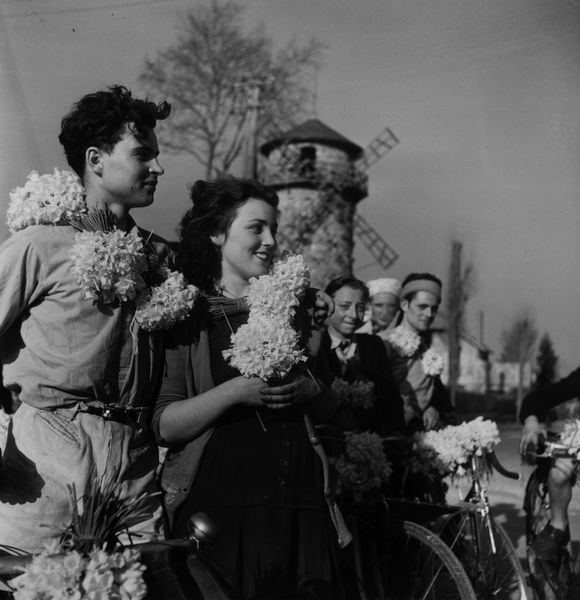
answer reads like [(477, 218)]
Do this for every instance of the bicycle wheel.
[(426, 569), (548, 583), (487, 554)]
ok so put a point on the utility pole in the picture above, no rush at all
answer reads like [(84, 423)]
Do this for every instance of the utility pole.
[(253, 89), (455, 313)]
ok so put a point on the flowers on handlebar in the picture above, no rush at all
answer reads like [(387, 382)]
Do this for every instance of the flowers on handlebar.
[(570, 436), (461, 448)]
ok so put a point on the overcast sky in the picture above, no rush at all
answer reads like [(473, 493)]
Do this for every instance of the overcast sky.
[(483, 94)]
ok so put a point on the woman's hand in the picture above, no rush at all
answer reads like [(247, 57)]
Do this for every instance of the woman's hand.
[(298, 390), (430, 418), (244, 391)]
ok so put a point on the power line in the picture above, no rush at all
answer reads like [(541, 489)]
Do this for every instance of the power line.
[(78, 9)]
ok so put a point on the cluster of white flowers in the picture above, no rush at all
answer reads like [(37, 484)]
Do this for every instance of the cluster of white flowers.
[(56, 574), (161, 306), (109, 266), (571, 437), (432, 363), (45, 200), (363, 467), (426, 461), (456, 445), (404, 341), (359, 394), (267, 346)]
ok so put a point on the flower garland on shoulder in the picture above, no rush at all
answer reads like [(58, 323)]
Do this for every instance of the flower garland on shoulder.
[(110, 265), (48, 199), (408, 343), (267, 346)]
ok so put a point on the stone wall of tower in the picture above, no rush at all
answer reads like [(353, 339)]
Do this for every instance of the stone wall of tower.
[(317, 203), (318, 224)]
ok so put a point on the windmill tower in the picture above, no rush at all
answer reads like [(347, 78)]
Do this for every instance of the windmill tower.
[(320, 177)]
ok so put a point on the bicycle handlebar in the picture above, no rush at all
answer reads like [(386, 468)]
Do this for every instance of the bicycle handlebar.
[(501, 469)]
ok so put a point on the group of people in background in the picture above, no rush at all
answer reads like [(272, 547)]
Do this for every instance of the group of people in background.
[(99, 394)]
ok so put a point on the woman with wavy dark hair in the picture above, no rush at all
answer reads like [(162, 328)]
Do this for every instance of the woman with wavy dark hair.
[(261, 478)]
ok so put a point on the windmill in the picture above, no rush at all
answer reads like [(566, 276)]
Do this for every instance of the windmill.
[(320, 177)]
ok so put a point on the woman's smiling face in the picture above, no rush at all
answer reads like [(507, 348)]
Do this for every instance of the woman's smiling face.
[(248, 246)]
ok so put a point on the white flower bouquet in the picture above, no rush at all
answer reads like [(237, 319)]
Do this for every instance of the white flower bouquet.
[(460, 447), (570, 436), (359, 395), (404, 341), (363, 466), (267, 346), (432, 363), (48, 199), (57, 574), (88, 561)]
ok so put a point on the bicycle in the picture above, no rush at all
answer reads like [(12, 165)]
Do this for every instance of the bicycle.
[(174, 568), (548, 583), (479, 542), (397, 559)]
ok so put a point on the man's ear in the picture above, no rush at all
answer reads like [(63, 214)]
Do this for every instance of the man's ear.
[(404, 305), (218, 239), (93, 160)]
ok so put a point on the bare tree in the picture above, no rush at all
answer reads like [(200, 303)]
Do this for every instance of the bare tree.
[(518, 346), (208, 75)]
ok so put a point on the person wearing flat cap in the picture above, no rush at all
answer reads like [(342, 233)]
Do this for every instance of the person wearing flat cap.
[(416, 366), (383, 305)]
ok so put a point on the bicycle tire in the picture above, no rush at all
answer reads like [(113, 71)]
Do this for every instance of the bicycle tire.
[(494, 575), (547, 583), (428, 569)]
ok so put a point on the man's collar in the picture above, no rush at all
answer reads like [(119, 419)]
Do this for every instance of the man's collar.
[(335, 338)]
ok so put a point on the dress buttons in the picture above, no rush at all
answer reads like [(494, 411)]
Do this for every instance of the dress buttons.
[(281, 481), (283, 462), (285, 444)]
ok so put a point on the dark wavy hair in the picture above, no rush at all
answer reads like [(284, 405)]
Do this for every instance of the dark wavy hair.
[(100, 119), (347, 281), (215, 204)]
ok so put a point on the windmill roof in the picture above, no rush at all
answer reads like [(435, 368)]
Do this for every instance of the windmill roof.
[(313, 130)]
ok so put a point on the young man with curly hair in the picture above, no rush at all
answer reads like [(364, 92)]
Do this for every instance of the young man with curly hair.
[(84, 370)]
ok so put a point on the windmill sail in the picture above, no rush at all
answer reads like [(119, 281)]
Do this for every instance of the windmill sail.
[(374, 242)]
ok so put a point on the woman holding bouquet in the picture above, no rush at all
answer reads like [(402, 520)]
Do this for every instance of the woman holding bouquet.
[(240, 449)]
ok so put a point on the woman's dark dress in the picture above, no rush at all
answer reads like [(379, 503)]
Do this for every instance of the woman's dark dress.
[(264, 489)]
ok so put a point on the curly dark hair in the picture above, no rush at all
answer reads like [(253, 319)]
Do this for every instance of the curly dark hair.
[(347, 281), (100, 120), (215, 204)]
